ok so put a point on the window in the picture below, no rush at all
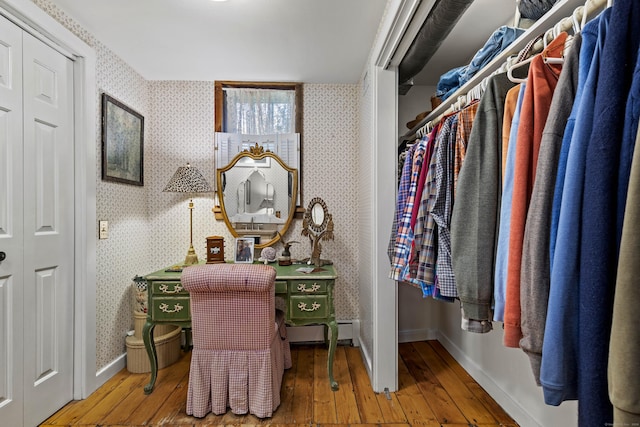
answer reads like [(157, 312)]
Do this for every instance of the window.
[(258, 108)]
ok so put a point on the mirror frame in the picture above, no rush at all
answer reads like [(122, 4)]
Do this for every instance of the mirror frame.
[(257, 153), (318, 228)]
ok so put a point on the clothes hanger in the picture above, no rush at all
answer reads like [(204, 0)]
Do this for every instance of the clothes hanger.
[(579, 11), (516, 66)]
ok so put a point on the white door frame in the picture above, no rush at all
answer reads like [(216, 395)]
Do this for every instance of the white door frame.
[(34, 20), (401, 16)]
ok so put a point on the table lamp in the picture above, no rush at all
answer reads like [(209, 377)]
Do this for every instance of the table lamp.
[(188, 179)]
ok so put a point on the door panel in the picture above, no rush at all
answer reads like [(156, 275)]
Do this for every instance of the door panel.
[(48, 225), (36, 228), (11, 213)]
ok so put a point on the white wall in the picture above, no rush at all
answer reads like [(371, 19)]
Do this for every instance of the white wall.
[(414, 102), (504, 372)]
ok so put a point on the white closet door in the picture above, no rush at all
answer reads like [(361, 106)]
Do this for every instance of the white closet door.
[(48, 229), (11, 228), (38, 320)]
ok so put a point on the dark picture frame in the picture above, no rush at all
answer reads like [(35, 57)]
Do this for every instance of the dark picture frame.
[(122, 142), (243, 250)]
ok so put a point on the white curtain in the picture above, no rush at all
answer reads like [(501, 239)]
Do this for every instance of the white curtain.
[(259, 111)]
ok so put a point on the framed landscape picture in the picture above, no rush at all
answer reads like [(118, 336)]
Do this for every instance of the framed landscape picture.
[(122, 142)]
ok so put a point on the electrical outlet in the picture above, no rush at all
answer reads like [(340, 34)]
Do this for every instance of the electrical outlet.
[(103, 229)]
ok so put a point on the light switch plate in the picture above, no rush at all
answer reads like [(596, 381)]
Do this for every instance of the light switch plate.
[(103, 229)]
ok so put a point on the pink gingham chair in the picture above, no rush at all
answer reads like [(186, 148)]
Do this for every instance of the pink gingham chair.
[(240, 349)]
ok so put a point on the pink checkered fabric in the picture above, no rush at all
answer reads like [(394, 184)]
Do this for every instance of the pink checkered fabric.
[(240, 349)]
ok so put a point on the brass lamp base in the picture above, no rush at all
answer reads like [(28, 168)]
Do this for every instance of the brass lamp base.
[(192, 257)]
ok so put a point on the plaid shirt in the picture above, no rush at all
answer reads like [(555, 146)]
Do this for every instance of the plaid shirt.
[(426, 228), (410, 270), (443, 204), (403, 191), (465, 120), (404, 234)]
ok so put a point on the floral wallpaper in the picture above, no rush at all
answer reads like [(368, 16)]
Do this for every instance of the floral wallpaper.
[(149, 229)]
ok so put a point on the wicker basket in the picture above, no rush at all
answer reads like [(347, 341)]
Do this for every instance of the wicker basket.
[(167, 339)]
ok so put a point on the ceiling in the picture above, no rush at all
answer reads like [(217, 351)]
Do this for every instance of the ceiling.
[(310, 41)]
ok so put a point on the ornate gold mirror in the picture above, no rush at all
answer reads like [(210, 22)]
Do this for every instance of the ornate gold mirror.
[(257, 193), (317, 224)]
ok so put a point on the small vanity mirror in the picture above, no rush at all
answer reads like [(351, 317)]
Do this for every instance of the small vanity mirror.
[(257, 193), (317, 225)]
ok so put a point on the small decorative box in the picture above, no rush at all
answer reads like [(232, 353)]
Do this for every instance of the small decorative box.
[(215, 249)]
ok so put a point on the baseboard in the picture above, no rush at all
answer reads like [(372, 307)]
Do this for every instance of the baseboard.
[(366, 358), (412, 335), (502, 397), (348, 330), (104, 374)]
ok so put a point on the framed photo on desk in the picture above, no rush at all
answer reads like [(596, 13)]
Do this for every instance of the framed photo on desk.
[(244, 248)]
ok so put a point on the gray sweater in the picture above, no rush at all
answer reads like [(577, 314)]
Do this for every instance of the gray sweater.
[(535, 268), (474, 220)]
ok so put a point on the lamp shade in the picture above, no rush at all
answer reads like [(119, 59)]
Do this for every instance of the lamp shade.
[(188, 179)]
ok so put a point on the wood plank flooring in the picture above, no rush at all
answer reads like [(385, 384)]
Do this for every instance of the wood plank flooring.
[(434, 390)]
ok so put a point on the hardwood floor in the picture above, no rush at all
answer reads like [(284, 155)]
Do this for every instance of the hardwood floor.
[(433, 390)]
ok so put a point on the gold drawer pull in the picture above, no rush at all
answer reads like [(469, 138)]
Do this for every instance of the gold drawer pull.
[(302, 306), (176, 289), (302, 287), (164, 307)]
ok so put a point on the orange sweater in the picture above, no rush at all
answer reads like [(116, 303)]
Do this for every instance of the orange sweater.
[(541, 82)]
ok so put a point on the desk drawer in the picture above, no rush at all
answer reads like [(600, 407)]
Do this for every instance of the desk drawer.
[(308, 287), (281, 287), (309, 307), (171, 309), (167, 288)]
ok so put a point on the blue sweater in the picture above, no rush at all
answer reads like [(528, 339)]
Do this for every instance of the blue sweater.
[(502, 251), (599, 245), (589, 38), (558, 371)]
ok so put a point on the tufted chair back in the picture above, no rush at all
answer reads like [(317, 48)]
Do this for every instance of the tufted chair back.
[(240, 348)]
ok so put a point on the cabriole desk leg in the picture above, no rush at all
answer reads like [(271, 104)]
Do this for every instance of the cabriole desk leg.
[(332, 349), (150, 345)]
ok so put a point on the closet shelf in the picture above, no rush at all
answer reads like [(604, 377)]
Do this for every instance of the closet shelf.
[(561, 10)]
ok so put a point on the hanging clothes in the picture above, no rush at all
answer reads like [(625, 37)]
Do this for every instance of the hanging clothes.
[(410, 272), (502, 248), (624, 348), (426, 227), (599, 237), (400, 249), (441, 212), (475, 211), (541, 82), (466, 116), (535, 274), (538, 228), (510, 105), (558, 369)]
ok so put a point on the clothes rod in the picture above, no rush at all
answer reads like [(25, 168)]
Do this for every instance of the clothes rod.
[(562, 11)]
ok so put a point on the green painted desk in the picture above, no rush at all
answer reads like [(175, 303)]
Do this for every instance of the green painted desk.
[(308, 300)]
